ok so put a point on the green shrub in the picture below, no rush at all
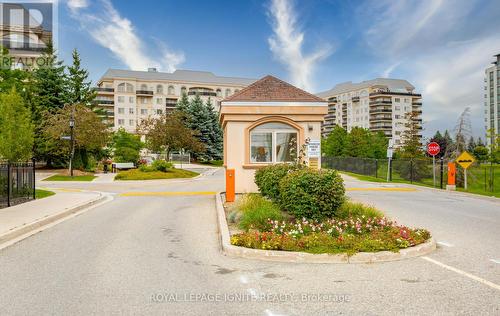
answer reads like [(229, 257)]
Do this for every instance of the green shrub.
[(353, 209), (268, 178), (161, 165), (256, 212), (146, 168), (313, 194)]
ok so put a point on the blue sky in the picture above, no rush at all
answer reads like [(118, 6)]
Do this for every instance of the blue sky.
[(440, 46)]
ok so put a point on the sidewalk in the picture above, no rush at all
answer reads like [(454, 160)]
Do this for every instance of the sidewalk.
[(104, 177), (22, 219)]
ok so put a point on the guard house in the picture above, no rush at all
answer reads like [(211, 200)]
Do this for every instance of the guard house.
[(268, 122)]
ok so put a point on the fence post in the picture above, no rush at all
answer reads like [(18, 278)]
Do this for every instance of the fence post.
[(8, 183), (442, 173), (33, 179), (376, 168)]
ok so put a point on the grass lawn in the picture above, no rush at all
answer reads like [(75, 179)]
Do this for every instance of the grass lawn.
[(216, 163), (136, 174), (59, 177), (40, 194)]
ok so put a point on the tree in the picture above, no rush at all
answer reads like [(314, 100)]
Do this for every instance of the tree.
[(377, 145), (199, 120), (90, 133), (411, 146), (481, 153), (447, 143), (126, 146), (50, 95), (215, 146), (334, 144), (183, 103), (471, 145), (16, 128), (79, 90), (358, 143), (438, 138), (168, 132)]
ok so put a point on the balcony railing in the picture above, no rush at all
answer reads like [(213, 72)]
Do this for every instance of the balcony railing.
[(380, 110), (355, 99), (99, 89), (395, 93), (203, 93), (104, 101), (380, 102), (144, 92), (332, 99)]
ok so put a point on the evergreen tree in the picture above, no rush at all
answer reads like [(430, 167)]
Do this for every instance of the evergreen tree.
[(16, 128), (471, 145), (215, 147), (480, 142), (411, 146), (358, 143), (378, 145), (447, 143), (49, 89), (79, 88), (199, 120), (183, 103)]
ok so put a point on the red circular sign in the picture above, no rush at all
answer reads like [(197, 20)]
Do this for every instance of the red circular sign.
[(433, 148)]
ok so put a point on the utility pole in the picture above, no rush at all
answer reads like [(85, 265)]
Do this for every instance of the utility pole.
[(72, 140)]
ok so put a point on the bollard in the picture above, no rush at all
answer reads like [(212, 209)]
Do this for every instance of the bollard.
[(451, 177), (230, 185)]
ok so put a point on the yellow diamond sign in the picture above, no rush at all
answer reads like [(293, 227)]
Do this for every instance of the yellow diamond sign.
[(465, 160)]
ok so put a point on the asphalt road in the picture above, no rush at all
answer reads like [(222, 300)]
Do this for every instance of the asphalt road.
[(160, 255)]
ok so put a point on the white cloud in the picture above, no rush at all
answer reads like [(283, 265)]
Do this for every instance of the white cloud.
[(75, 5), (287, 45), (437, 46), (116, 33)]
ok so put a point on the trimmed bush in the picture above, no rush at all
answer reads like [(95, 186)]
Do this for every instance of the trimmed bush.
[(161, 165), (268, 178), (312, 194)]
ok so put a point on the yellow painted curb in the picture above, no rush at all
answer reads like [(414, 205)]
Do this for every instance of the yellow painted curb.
[(166, 193), (382, 189)]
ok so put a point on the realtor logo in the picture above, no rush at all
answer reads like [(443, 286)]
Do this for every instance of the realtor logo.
[(26, 30)]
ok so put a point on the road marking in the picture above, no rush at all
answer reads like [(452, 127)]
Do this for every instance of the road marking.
[(495, 261), (470, 276), (170, 193), (382, 189), (442, 243)]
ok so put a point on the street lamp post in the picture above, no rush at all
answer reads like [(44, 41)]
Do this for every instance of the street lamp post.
[(71, 127)]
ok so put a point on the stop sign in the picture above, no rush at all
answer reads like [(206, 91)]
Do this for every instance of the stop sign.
[(433, 148)]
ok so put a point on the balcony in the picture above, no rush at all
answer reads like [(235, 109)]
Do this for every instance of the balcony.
[(376, 102), (395, 93), (417, 104), (333, 99), (103, 90), (203, 93), (355, 99), (381, 118), (380, 110), (107, 102), (146, 93), (380, 127)]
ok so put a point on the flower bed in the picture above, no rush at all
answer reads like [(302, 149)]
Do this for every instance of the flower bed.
[(306, 210)]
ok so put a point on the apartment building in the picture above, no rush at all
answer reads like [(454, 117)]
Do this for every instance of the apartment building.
[(129, 96), (379, 105), (492, 99)]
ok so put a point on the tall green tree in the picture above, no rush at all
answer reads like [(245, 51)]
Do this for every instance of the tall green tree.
[(79, 90), (377, 145), (199, 120), (334, 144), (215, 147), (183, 103), (126, 146), (358, 142), (411, 146), (471, 145), (16, 128)]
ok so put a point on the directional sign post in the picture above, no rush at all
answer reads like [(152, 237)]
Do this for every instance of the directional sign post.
[(433, 149), (465, 160)]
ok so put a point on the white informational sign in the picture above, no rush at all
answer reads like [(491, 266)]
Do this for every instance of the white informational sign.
[(389, 152), (314, 149)]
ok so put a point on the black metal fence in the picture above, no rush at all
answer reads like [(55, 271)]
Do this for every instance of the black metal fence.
[(481, 178), (17, 183)]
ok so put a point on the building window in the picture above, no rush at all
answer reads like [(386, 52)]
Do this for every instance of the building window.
[(219, 92), (144, 87), (131, 110), (171, 90), (121, 111), (273, 142), (228, 92), (397, 108), (131, 122), (131, 99), (396, 116), (121, 121), (144, 111), (125, 87), (121, 99), (397, 100), (183, 90), (159, 89)]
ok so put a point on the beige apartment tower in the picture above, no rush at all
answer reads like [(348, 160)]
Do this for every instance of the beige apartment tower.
[(378, 105)]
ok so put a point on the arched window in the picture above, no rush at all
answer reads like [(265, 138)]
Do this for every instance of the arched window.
[(144, 87), (125, 87), (228, 92), (171, 90), (273, 142), (159, 89), (219, 92), (183, 90)]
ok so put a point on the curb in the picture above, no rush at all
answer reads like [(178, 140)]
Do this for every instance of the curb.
[(302, 257), (29, 228)]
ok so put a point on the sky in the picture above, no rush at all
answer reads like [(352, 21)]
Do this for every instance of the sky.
[(442, 47)]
